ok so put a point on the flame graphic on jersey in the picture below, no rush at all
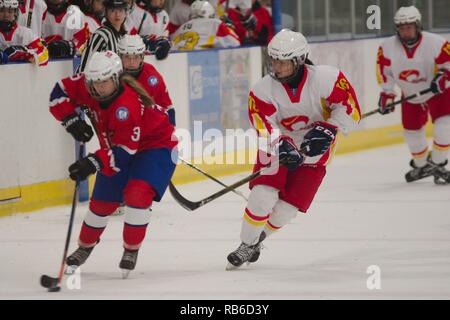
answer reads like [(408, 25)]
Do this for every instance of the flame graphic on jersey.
[(295, 123), (412, 76)]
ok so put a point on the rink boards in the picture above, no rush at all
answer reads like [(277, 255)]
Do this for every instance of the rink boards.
[(207, 86)]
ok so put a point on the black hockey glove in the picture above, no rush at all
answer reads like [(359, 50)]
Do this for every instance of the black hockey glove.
[(438, 83), (15, 53), (150, 44), (83, 168), (162, 49), (250, 22), (78, 128), (319, 139), (289, 155), (229, 23), (61, 49), (171, 114)]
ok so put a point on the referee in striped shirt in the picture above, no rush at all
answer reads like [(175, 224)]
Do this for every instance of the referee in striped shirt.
[(107, 37)]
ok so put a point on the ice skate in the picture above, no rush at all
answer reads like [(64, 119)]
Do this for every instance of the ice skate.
[(245, 254), (418, 173), (128, 262), (442, 175), (77, 258)]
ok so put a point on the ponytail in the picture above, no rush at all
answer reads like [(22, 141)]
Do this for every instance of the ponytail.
[(137, 87)]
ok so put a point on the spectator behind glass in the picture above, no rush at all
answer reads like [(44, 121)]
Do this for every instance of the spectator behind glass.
[(18, 43), (252, 22)]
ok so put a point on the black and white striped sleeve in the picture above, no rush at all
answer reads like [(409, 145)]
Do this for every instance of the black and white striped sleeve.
[(102, 40)]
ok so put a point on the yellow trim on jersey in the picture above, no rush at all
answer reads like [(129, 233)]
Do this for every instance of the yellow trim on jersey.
[(378, 69), (210, 42), (43, 57), (356, 116), (326, 111)]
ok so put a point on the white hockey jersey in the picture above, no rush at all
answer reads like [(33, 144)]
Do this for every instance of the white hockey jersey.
[(412, 69), (18, 36), (70, 26), (31, 15), (204, 33), (23, 36), (92, 22), (324, 94), (144, 23), (179, 15)]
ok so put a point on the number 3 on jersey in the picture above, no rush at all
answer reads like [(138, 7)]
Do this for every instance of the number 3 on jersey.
[(136, 134), (190, 39)]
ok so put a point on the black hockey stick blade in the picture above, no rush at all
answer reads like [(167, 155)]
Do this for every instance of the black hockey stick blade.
[(185, 203), (191, 205), (50, 283)]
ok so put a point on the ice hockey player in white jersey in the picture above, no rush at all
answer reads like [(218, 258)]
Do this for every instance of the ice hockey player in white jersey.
[(18, 43), (149, 19), (136, 18), (31, 14), (416, 60), (179, 14), (94, 12), (301, 108), (64, 29), (204, 31)]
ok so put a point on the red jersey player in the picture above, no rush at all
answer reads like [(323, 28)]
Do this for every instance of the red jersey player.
[(131, 50), (134, 163), (252, 22)]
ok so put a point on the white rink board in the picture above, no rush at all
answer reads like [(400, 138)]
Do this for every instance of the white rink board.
[(364, 214)]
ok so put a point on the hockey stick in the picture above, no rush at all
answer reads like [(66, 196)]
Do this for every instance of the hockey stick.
[(54, 284), (193, 205), (211, 177), (30, 14), (391, 105)]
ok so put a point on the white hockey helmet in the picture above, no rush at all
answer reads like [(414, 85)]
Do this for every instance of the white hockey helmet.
[(406, 15), (241, 4), (7, 25), (103, 66), (288, 45), (10, 4), (132, 45), (202, 9)]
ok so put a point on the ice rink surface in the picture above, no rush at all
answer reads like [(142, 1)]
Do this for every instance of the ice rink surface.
[(364, 215)]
